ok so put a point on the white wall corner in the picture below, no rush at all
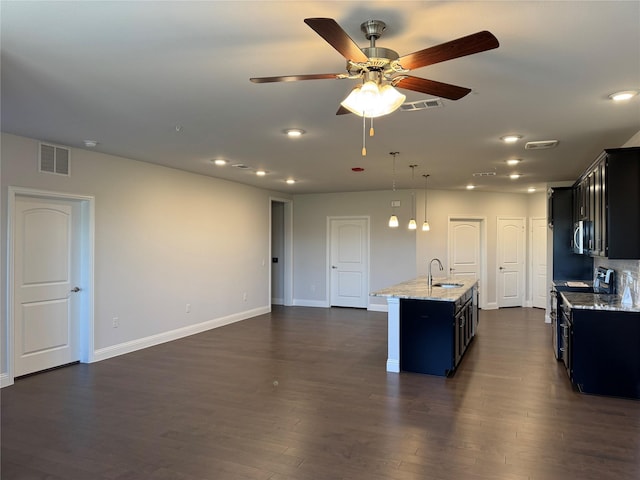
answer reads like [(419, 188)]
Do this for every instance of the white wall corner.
[(5, 380)]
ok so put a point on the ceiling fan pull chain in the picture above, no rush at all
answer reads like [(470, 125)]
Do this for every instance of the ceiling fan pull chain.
[(364, 137), (371, 132)]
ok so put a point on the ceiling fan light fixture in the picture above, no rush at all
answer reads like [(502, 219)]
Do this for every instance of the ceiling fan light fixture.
[(371, 101)]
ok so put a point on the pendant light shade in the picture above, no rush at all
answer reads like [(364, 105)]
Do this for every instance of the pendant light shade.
[(370, 100), (425, 226), (412, 224), (393, 221)]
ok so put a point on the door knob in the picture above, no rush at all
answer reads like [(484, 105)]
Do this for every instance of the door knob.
[(333, 266), (501, 268), (75, 289)]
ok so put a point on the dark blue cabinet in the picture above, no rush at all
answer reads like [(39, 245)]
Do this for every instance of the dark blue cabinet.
[(605, 352)]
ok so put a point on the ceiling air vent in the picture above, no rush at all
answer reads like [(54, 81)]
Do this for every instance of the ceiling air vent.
[(540, 145), (421, 105), (484, 174), (242, 166), (54, 159)]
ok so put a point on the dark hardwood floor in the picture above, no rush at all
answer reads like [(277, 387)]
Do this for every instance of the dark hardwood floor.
[(302, 393)]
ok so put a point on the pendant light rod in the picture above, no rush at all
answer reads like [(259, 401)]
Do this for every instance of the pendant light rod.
[(393, 219)]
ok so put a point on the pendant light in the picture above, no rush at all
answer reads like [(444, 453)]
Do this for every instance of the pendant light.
[(425, 225), (393, 219), (412, 221)]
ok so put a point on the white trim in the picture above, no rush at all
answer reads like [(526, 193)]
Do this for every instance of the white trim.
[(393, 335), (491, 306), (87, 211), (376, 307), (5, 380), (531, 266), (150, 341), (302, 302)]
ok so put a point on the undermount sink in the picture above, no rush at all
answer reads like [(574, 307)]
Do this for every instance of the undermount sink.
[(447, 284)]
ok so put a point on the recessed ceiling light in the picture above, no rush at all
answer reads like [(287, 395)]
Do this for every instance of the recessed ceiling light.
[(220, 161), (510, 138), (261, 173), (622, 96), (90, 143), (513, 161), (470, 187), (514, 176), (294, 132), (531, 189), (290, 181)]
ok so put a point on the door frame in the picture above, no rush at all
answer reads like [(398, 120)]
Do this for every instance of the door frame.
[(482, 290), (367, 219), (288, 249), (530, 266), (523, 274), (86, 207)]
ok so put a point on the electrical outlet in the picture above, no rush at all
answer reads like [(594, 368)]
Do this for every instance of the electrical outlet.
[(187, 309), (116, 322)]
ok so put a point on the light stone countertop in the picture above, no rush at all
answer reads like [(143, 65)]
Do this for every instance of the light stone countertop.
[(418, 289), (597, 301)]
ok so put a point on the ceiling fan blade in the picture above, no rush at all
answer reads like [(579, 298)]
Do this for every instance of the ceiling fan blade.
[(333, 34), (431, 87), (342, 111), (474, 43), (295, 78)]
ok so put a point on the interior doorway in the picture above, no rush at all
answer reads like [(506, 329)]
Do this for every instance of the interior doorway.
[(468, 252), (281, 251), (50, 297)]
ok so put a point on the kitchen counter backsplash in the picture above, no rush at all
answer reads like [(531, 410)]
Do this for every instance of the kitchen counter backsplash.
[(627, 274)]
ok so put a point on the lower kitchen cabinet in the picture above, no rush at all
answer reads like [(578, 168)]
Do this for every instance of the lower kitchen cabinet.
[(434, 335), (605, 352)]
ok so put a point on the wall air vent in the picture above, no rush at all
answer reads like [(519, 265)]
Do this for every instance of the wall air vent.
[(484, 174), (54, 159), (421, 105), (540, 145)]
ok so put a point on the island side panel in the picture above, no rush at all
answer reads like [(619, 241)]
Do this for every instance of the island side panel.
[(393, 337)]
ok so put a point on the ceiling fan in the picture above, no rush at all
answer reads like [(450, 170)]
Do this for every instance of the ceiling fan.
[(383, 67)]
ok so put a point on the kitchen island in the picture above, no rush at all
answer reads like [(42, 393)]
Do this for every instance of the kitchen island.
[(429, 328)]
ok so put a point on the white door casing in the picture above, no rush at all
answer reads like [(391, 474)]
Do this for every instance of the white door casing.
[(510, 262), (349, 262), (50, 252), (538, 267)]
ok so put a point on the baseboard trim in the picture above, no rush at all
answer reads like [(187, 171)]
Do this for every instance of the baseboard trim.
[(141, 343), (5, 380), (299, 302), (378, 307), (491, 306)]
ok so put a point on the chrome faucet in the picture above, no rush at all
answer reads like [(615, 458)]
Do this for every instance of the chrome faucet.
[(429, 276)]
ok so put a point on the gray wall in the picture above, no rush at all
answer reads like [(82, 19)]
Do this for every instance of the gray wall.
[(396, 254), (163, 238)]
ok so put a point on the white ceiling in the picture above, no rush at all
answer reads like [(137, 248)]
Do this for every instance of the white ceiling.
[(127, 73)]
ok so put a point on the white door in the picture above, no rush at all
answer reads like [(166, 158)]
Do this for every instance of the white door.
[(539, 262), (46, 270), (464, 248), (510, 262), (349, 261)]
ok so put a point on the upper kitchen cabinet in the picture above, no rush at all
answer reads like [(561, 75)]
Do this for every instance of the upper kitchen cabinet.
[(607, 199)]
